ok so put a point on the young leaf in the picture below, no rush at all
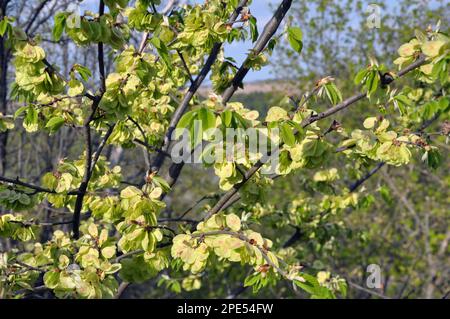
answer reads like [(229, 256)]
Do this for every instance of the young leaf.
[(295, 37), (83, 71), (372, 82), (185, 122), (287, 135), (162, 51), (54, 123), (60, 24), (186, 119), (207, 117), (434, 159), (240, 121), (401, 101), (253, 28), (227, 117), (30, 122)]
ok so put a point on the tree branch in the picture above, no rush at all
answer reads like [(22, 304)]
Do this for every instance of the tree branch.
[(361, 181), (159, 160), (37, 189), (101, 58), (37, 11)]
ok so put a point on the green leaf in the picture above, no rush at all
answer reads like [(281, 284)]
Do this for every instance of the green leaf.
[(343, 288), (311, 285), (60, 24), (51, 279), (227, 117), (359, 78), (19, 111), (253, 28), (83, 71), (444, 105), (372, 82), (4, 26), (306, 287), (55, 123), (271, 45), (161, 182), (162, 51), (75, 88), (185, 123), (430, 109), (240, 121), (402, 101), (196, 133), (295, 37), (333, 93), (208, 118), (434, 159), (287, 135), (251, 280), (30, 122)]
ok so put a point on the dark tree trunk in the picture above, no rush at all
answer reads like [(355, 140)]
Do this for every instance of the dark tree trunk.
[(3, 90)]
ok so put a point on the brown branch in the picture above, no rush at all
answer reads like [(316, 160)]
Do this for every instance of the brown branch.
[(306, 97), (84, 183), (137, 252), (17, 181), (29, 267), (122, 288), (371, 292), (151, 148), (361, 181), (185, 66), (129, 254)]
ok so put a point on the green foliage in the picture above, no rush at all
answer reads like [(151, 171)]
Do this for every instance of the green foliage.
[(295, 36), (127, 230)]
